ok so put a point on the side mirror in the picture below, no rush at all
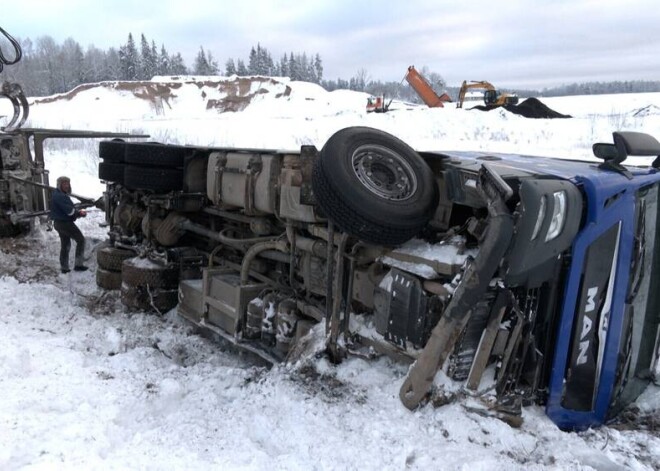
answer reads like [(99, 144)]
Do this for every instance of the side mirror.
[(625, 144), (605, 151)]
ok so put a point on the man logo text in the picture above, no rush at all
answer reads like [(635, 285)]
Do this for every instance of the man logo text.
[(587, 323)]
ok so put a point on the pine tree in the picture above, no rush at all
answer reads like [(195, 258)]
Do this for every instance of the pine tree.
[(201, 64), (241, 69), (154, 59), (252, 62), (318, 68), (230, 67), (147, 60), (145, 52), (205, 64), (129, 60), (269, 65), (163, 61), (177, 65), (213, 64), (284, 67), (295, 66), (293, 72), (303, 68)]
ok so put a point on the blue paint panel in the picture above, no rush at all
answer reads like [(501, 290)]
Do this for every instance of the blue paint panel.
[(610, 200), (562, 168)]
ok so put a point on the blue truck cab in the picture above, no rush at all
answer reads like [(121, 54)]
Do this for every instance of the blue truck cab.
[(593, 246), (607, 334)]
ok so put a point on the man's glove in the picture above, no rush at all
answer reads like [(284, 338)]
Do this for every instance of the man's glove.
[(82, 213)]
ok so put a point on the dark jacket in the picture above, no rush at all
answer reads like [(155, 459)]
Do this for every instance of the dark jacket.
[(62, 208)]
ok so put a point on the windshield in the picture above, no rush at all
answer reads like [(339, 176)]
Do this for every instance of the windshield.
[(639, 342)]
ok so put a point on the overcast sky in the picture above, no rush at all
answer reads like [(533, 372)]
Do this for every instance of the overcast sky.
[(520, 43)]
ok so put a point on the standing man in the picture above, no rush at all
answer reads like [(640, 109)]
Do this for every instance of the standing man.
[(63, 213)]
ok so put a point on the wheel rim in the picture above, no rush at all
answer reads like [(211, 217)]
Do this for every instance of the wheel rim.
[(384, 172)]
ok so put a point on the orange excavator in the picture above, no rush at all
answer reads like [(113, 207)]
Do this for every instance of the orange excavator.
[(492, 97), (376, 104), (424, 90)]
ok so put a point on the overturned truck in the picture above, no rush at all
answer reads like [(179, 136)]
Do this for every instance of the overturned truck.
[(533, 278)]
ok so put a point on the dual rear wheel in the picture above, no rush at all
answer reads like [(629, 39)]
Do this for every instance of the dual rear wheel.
[(144, 285), (142, 165)]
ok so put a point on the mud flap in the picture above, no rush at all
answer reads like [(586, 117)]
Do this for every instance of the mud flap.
[(472, 287)]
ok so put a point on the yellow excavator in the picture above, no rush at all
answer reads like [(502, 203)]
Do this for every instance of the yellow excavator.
[(492, 97)]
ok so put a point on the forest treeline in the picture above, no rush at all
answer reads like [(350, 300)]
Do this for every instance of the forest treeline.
[(48, 67)]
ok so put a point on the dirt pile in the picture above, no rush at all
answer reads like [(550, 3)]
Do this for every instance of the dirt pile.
[(530, 108), (648, 110), (224, 94), (534, 108)]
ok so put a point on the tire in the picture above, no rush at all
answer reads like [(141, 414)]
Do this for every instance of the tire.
[(140, 272), (374, 186), (111, 258), (112, 151), (153, 178), (150, 154), (149, 300), (107, 279), (111, 172)]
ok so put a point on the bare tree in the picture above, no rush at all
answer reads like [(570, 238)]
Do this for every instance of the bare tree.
[(360, 80)]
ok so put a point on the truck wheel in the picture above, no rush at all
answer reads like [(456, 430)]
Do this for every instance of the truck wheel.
[(111, 172), (154, 154), (153, 178), (374, 186), (111, 258), (138, 271), (107, 279), (112, 151), (148, 299)]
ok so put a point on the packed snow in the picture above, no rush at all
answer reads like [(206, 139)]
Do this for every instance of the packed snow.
[(86, 385)]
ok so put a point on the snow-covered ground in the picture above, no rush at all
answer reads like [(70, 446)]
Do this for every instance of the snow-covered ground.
[(86, 385)]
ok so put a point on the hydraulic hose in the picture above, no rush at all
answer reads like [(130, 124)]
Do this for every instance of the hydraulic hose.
[(18, 52)]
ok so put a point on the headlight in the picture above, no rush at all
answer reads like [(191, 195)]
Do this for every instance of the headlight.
[(558, 215), (540, 218)]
